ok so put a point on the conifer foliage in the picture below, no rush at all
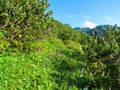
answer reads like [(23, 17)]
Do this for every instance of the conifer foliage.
[(24, 21)]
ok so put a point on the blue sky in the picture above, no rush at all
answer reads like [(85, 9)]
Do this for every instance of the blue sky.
[(86, 13)]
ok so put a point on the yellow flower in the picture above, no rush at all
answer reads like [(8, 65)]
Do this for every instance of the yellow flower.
[(19, 36)]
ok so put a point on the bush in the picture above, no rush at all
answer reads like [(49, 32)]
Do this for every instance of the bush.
[(24, 22), (4, 44)]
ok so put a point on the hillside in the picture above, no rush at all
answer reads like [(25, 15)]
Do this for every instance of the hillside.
[(98, 28), (38, 52)]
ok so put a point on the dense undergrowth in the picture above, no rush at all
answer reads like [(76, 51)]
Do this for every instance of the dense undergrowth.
[(54, 66), (51, 67)]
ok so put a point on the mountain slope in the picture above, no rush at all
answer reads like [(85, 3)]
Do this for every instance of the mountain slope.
[(90, 31)]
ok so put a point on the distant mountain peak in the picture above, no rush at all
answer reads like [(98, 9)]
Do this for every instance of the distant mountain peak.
[(89, 31)]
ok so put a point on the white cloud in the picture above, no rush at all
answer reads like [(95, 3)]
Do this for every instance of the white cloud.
[(87, 17), (74, 16), (79, 16), (108, 18), (89, 24)]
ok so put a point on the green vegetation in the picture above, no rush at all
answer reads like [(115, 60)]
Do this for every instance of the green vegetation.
[(40, 53)]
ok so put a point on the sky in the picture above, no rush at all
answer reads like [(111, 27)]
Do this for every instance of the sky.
[(86, 13)]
